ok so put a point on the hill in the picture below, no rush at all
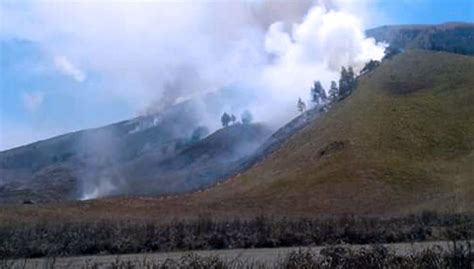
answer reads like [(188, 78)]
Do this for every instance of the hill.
[(450, 37), (125, 158), (63, 167), (402, 142)]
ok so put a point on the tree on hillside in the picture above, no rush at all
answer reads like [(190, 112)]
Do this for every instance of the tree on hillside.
[(225, 119), (351, 75), (233, 119), (318, 93), (333, 91), (347, 82), (246, 117), (370, 66), (301, 106)]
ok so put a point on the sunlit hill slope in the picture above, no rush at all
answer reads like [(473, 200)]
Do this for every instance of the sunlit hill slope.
[(403, 141)]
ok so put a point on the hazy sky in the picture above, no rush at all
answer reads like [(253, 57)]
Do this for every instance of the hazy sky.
[(66, 65)]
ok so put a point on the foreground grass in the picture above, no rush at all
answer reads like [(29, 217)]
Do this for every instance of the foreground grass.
[(43, 240)]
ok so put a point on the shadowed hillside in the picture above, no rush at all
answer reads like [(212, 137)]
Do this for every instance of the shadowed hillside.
[(198, 165)]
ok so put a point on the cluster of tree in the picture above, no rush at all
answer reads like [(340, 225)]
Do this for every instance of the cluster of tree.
[(229, 119), (347, 84)]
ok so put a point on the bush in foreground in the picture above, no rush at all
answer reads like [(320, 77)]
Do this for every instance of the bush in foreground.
[(136, 237)]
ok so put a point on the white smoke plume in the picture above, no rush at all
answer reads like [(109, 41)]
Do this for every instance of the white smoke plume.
[(314, 49), (154, 54)]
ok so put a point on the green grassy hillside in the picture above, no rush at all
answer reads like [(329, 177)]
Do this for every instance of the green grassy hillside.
[(403, 141)]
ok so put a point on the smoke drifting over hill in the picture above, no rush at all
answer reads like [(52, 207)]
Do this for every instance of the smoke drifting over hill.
[(155, 54)]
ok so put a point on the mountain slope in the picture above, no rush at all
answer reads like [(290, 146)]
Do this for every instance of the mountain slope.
[(197, 166), (125, 158), (402, 141), (450, 37)]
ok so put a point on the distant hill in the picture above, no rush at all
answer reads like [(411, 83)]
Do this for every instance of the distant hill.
[(450, 37), (127, 157), (61, 168)]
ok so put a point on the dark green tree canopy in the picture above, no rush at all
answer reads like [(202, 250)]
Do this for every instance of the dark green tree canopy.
[(347, 82), (318, 93), (225, 119), (333, 91)]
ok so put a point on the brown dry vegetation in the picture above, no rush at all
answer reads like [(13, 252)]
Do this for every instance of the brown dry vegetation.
[(118, 237)]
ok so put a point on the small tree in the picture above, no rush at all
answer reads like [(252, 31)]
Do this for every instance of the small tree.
[(246, 117), (351, 77), (225, 119), (318, 93), (343, 87), (301, 106), (233, 119), (347, 82), (333, 91)]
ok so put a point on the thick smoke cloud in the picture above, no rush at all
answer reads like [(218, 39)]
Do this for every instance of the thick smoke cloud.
[(314, 49), (153, 55), (144, 51)]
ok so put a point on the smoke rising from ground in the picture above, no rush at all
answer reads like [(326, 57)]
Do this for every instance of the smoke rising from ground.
[(153, 55)]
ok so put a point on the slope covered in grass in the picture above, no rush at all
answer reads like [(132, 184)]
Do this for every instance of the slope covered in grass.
[(403, 141)]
